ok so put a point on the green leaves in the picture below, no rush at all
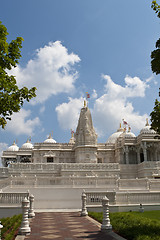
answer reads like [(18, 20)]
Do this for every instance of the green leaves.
[(155, 55), (156, 8), (155, 117), (11, 97)]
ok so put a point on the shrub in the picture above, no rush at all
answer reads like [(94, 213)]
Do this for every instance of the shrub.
[(132, 227), (10, 226)]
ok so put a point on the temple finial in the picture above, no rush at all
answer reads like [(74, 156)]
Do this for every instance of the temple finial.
[(72, 133), (120, 125), (50, 136), (147, 124), (85, 103)]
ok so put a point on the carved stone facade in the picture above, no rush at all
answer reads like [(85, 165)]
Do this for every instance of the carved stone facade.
[(123, 148)]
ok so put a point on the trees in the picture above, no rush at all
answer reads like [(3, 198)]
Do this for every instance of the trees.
[(155, 55), (155, 65), (155, 117), (11, 97), (156, 8)]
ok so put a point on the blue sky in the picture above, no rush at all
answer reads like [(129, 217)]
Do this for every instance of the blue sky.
[(72, 47)]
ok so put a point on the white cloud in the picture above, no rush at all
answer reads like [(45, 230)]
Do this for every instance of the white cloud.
[(3, 146), (42, 109), (113, 106), (21, 124), (134, 87), (51, 71), (109, 109), (94, 94), (68, 113)]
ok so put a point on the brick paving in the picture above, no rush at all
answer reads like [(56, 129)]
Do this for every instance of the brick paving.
[(65, 226)]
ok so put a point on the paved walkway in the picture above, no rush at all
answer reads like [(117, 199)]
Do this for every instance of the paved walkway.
[(66, 226)]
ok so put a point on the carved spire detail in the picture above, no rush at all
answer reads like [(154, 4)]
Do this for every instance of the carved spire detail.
[(85, 133)]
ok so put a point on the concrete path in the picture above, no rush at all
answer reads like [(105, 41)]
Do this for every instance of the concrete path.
[(66, 226)]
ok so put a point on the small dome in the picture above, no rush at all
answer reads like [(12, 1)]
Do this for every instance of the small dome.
[(129, 135), (27, 145), (115, 136), (50, 140), (147, 129), (13, 147)]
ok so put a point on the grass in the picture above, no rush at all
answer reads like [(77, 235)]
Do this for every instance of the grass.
[(148, 214), (134, 225), (10, 227)]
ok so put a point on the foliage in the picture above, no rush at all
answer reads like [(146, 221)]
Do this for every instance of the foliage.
[(155, 55), (155, 117), (10, 226), (155, 58), (156, 8), (11, 97), (133, 226)]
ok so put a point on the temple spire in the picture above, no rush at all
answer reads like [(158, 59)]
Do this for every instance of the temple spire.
[(85, 133)]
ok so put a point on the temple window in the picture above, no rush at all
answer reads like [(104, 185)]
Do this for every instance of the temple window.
[(142, 157), (99, 160), (49, 159)]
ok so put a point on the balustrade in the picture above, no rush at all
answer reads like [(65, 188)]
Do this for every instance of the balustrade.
[(12, 198), (122, 198), (4, 182), (137, 198), (63, 166), (95, 198)]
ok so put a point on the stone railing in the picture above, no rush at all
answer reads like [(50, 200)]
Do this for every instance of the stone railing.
[(3, 172), (148, 165), (33, 167), (137, 198), (4, 182), (13, 198), (133, 184), (74, 181), (122, 198), (95, 198), (154, 185)]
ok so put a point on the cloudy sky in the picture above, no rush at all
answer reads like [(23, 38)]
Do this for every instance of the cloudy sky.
[(73, 47)]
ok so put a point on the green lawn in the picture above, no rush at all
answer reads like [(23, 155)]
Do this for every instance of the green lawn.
[(148, 214), (134, 225)]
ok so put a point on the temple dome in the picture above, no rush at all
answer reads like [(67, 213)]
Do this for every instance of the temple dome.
[(147, 129), (50, 140), (115, 136), (129, 135), (13, 147), (27, 145)]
